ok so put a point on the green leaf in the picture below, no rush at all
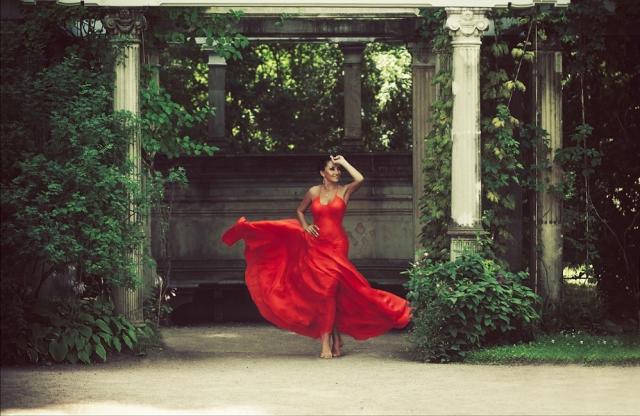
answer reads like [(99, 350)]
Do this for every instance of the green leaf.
[(106, 337), (103, 326), (85, 356), (116, 344), (80, 342), (68, 339), (32, 355), (72, 357), (127, 341), (58, 349), (101, 352), (85, 317), (132, 334), (85, 331)]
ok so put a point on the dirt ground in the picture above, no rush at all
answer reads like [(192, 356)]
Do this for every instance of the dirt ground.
[(258, 369)]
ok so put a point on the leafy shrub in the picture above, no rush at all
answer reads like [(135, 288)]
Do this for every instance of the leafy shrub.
[(581, 308), (67, 202), (461, 305), (68, 330), (13, 322)]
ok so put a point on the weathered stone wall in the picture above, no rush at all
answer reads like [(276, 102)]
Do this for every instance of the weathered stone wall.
[(379, 219)]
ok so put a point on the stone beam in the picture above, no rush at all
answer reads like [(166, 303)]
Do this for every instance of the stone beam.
[(305, 29), (315, 7)]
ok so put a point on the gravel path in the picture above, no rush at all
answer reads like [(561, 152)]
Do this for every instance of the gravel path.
[(257, 369)]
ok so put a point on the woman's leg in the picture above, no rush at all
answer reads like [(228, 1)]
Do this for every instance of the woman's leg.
[(324, 338), (336, 343), (326, 347)]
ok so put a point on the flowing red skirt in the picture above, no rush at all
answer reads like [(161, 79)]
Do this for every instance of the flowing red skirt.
[(307, 285)]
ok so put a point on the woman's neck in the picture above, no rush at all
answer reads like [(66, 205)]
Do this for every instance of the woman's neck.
[(330, 186)]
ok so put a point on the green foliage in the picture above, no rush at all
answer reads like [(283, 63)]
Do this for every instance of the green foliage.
[(504, 61), (435, 205), (156, 305), (461, 305), (178, 25), (600, 112), (386, 98), (68, 202), (71, 330), (72, 209), (567, 347), (502, 172), (283, 98), (164, 121), (599, 187), (581, 309)]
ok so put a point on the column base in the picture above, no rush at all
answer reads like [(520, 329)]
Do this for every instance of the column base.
[(219, 142), (465, 239), (128, 302)]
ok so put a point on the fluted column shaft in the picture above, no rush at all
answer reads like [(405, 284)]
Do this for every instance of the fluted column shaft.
[(126, 28), (548, 77), (423, 67), (352, 96), (466, 26), (217, 85)]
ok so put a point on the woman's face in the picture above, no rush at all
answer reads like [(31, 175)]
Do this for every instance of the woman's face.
[(331, 172)]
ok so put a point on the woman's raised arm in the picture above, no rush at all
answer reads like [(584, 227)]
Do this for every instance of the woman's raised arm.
[(358, 178)]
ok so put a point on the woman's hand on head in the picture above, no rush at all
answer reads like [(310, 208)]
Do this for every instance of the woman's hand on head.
[(313, 230), (338, 159)]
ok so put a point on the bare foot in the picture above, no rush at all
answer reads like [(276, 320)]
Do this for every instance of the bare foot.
[(326, 348), (336, 344), (326, 355)]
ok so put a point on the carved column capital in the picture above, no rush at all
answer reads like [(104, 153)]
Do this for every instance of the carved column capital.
[(466, 25), (352, 52), (125, 22)]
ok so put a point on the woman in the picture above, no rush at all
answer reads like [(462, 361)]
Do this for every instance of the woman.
[(299, 274)]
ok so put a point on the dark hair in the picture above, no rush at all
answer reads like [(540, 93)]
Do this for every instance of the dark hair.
[(323, 163)]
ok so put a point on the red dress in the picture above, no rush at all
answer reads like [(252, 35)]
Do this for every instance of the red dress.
[(306, 284)]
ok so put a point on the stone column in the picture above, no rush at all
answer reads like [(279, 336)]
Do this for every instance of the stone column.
[(466, 26), (150, 271), (547, 78), (126, 28), (352, 96), (154, 63), (217, 80), (423, 69)]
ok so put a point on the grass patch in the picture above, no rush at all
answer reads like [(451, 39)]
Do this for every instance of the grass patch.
[(568, 347)]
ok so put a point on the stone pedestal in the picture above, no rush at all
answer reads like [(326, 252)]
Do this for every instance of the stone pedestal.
[(352, 96), (548, 77), (423, 69), (466, 26), (126, 27), (217, 80)]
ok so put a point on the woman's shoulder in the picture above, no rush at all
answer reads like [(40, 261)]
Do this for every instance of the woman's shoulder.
[(314, 190)]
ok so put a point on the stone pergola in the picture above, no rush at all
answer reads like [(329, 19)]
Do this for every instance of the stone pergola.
[(390, 20)]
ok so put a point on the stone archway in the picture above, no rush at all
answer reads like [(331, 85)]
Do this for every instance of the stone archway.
[(380, 223), (466, 22)]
